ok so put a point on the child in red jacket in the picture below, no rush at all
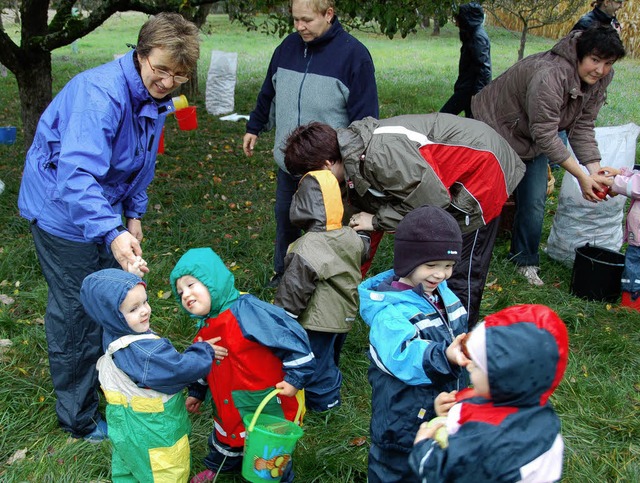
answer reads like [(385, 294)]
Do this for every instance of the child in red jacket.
[(266, 349)]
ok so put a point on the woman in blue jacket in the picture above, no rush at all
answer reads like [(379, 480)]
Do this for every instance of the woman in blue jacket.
[(92, 158), (318, 73)]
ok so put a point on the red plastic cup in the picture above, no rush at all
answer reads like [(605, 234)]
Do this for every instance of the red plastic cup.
[(161, 142), (187, 119)]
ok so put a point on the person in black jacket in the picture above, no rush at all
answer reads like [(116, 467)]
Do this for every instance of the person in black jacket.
[(474, 68), (604, 12)]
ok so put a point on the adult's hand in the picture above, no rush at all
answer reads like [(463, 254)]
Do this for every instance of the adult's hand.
[(362, 221), (588, 184), (125, 248), (134, 226), (248, 143)]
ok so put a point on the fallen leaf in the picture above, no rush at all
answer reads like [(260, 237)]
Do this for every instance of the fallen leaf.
[(489, 284), (5, 343), (359, 441), (5, 299), (17, 456)]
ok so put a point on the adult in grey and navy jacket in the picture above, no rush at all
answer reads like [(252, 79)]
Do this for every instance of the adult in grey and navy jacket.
[(319, 73), (474, 67), (92, 158)]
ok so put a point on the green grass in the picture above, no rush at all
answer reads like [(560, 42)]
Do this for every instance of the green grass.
[(206, 193)]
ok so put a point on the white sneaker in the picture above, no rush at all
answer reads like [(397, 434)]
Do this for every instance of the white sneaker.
[(531, 274)]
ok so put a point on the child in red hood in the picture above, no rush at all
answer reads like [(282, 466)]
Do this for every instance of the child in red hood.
[(504, 429)]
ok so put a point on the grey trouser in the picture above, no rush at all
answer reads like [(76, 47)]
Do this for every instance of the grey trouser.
[(74, 341)]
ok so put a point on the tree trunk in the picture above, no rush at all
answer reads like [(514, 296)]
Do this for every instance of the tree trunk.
[(436, 27), (34, 90), (523, 41)]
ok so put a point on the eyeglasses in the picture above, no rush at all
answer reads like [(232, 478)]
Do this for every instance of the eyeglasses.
[(178, 79)]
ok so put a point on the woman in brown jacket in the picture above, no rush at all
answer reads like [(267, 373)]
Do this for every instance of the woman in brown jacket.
[(558, 90)]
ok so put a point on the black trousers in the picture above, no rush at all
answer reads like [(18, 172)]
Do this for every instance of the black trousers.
[(470, 273), (74, 341)]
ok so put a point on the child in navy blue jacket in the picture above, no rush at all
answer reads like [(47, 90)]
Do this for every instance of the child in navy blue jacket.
[(417, 325), (504, 429)]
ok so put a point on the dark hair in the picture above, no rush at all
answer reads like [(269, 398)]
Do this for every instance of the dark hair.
[(601, 40), (309, 146)]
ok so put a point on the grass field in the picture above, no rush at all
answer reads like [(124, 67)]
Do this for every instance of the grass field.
[(206, 193)]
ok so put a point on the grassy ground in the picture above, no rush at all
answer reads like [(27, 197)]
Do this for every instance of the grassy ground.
[(206, 193)]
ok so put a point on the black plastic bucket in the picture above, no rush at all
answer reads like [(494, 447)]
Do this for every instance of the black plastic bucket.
[(596, 273)]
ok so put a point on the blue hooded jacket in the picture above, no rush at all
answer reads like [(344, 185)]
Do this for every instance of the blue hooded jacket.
[(150, 363), (409, 367), (93, 154)]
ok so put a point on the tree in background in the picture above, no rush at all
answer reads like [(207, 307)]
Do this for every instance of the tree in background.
[(534, 14), (30, 59), (391, 17)]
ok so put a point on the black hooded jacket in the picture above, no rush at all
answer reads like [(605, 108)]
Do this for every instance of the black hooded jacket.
[(474, 68)]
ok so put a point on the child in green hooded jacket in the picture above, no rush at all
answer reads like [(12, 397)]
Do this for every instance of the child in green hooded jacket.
[(267, 349)]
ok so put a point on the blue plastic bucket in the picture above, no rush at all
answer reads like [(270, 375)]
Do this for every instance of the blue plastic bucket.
[(7, 135)]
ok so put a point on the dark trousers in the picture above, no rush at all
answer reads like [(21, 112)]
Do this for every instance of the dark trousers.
[(286, 232), (388, 466), (74, 341), (323, 390), (470, 273)]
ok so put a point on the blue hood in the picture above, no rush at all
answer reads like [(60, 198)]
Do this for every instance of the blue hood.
[(525, 343), (102, 294)]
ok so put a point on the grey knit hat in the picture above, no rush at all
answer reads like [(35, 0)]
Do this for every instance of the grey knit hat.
[(425, 234)]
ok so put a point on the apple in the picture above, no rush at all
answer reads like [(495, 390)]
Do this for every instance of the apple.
[(441, 436), (602, 194)]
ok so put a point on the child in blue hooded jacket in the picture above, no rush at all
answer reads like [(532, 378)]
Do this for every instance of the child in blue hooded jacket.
[(503, 430), (417, 326), (142, 376)]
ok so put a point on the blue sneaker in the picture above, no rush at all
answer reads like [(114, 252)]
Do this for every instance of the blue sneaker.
[(99, 434)]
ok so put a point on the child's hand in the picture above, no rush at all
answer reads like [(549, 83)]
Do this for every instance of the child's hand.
[(221, 352), (427, 432), (287, 389), (454, 352), (139, 267), (444, 401), (608, 171), (193, 405)]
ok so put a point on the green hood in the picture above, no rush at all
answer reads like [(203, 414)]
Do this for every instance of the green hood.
[(205, 265)]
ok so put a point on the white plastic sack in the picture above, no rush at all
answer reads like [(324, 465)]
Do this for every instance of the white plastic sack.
[(221, 82), (578, 221)]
